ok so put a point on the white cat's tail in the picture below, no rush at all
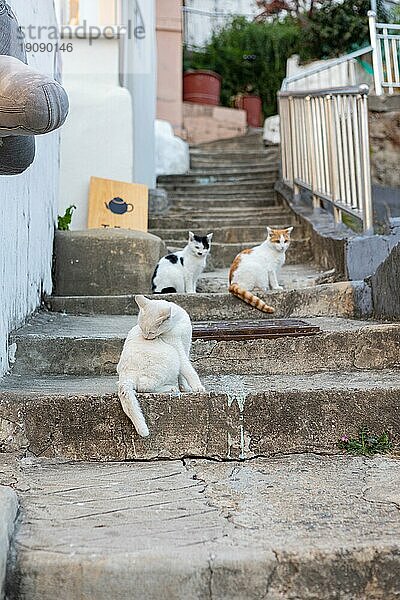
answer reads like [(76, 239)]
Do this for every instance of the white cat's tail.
[(250, 298), (131, 406)]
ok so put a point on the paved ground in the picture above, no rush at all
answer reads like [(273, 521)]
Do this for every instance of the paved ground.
[(290, 527)]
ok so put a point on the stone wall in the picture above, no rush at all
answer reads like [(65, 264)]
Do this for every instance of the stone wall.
[(386, 287), (28, 205), (384, 123)]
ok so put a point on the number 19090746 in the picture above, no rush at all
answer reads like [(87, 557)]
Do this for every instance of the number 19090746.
[(48, 47)]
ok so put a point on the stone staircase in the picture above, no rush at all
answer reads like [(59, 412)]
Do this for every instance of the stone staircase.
[(185, 514)]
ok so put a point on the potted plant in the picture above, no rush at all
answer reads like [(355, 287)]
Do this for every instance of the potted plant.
[(251, 102), (202, 87)]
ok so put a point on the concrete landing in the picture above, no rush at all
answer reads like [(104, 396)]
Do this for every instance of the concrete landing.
[(286, 528)]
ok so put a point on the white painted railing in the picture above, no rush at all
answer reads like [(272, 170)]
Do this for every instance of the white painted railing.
[(338, 71), (325, 148), (385, 42)]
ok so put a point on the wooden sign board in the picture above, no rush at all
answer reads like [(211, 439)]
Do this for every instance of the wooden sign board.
[(116, 204)]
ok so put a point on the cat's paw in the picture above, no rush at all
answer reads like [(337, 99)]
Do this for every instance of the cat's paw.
[(198, 388)]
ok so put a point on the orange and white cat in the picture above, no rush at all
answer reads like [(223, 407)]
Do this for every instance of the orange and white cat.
[(258, 268)]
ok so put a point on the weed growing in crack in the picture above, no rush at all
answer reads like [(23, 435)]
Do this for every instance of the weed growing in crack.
[(366, 443)]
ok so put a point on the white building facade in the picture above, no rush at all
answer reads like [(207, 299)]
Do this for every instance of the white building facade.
[(29, 202)]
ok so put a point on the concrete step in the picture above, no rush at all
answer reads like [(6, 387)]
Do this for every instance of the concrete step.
[(344, 299), (226, 164), (240, 417), (226, 235), (227, 202), (212, 220), (222, 173), (222, 255), (249, 140), (229, 176), (221, 189), (235, 153), (211, 183), (61, 344), (322, 527)]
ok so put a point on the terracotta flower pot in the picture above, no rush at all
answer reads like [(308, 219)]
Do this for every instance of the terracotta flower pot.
[(252, 104), (202, 87)]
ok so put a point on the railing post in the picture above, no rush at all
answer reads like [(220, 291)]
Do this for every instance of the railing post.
[(293, 145), (311, 148), (368, 220), (333, 161), (376, 53)]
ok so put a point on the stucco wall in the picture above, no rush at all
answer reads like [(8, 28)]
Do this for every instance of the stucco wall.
[(169, 63), (28, 208)]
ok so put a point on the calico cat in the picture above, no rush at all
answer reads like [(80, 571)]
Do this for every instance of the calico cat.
[(155, 357), (178, 272), (259, 267)]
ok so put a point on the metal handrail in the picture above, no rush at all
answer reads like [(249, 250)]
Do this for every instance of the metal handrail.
[(325, 149)]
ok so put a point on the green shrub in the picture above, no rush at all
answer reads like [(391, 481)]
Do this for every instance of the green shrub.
[(250, 57), (337, 28)]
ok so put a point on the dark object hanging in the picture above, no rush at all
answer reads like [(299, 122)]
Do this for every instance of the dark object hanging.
[(30, 103)]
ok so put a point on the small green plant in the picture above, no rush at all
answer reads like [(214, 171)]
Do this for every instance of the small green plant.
[(366, 443), (65, 221)]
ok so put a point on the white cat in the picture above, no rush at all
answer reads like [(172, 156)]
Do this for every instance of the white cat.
[(155, 357), (259, 268), (178, 272)]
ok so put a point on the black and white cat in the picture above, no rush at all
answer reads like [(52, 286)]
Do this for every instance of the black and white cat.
[(178, 272)]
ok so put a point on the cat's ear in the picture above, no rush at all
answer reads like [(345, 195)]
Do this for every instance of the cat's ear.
[(210, 237), (270, 231), (191, 236), (289, 230), (141, 301)]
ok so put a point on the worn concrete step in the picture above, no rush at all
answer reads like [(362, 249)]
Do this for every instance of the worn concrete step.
[(239, 416), (213, 220), (221, 174), (230, 205), (234, 153), (82, 345), (305, 526), (242, 189), (222, 255), (214, 165), (226, 235), (243, 167), (256, 183), (230, 176), (345, 299), (250, 139)]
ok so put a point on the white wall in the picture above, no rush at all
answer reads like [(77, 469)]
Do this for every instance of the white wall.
[(97, 139), (28, 208)]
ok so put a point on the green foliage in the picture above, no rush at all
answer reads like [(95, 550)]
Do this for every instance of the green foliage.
[(250, 57), (366, 443), (337, 28), (65, 221)]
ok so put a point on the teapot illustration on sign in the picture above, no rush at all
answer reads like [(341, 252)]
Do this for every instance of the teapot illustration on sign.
[(118, 206)]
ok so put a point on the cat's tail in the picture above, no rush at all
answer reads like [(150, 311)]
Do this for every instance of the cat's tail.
[(250, 298), (131, 406)]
